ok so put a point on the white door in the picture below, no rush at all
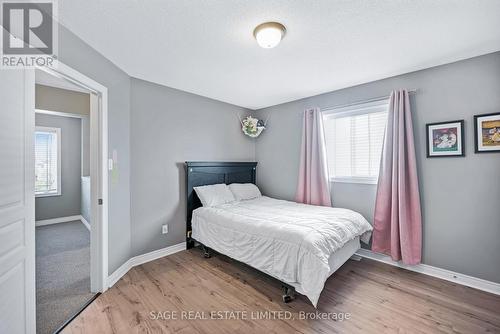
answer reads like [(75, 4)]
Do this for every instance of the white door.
[(17, 199)]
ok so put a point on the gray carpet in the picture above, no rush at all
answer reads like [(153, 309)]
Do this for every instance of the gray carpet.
[(62, 273)]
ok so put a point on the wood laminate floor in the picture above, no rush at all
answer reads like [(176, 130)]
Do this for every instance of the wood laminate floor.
[(378, 298)]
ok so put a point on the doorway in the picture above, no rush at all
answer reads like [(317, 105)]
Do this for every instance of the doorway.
[(70, 194)]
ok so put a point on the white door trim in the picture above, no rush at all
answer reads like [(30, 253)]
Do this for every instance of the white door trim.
[(99, 133), (29, 176), (60, 113)]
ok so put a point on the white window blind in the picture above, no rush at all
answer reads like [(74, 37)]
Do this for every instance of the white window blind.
[(47, 161), (354, 138)]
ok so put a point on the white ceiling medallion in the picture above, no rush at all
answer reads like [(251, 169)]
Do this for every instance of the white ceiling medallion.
[(269, 34)]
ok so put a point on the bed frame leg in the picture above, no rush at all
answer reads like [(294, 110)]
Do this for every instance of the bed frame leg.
[(206, 251), (288, 293)]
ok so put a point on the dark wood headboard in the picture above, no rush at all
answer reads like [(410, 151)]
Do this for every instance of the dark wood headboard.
[(202, 173)]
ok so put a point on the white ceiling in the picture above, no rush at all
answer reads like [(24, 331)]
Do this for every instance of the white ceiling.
[(207, 47)]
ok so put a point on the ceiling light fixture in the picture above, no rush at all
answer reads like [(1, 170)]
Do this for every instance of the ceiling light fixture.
[(269, 34)]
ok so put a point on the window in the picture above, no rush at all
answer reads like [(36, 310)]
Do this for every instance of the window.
[(47, 161), (354, 137)]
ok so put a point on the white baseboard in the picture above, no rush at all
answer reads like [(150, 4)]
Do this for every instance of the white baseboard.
[(119, 273), (426, 269), (63, 220), (140, 259), (57, 220), (85, 222), (151, 256)]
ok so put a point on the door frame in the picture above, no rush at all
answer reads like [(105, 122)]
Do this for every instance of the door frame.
[(99, 185)]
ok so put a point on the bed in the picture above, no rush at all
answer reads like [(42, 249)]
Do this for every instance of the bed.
[(300, 245)]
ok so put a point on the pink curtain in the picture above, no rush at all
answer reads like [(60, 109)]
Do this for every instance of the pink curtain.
[(397, 229), (313, 187)]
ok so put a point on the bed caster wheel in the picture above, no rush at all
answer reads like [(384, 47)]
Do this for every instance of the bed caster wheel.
[(206, 252), (288, 294)]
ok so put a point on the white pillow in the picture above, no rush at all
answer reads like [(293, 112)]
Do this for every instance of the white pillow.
[(214, 194), (242, 191)]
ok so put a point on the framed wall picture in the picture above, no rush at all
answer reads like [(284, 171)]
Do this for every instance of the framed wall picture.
[(446, 139), (487, 133)]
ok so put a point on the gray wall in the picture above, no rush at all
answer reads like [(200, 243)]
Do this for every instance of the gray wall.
[(169, 127), (80, 56), (460, 196), (68, 203), (461, 221), (63, 100)]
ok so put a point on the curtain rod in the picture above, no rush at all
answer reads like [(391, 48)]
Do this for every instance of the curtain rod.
[(410, 91)]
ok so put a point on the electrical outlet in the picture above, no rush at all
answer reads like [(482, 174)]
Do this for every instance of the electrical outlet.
[(164, 229)]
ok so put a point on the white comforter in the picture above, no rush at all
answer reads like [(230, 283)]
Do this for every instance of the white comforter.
[(287, 240)]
